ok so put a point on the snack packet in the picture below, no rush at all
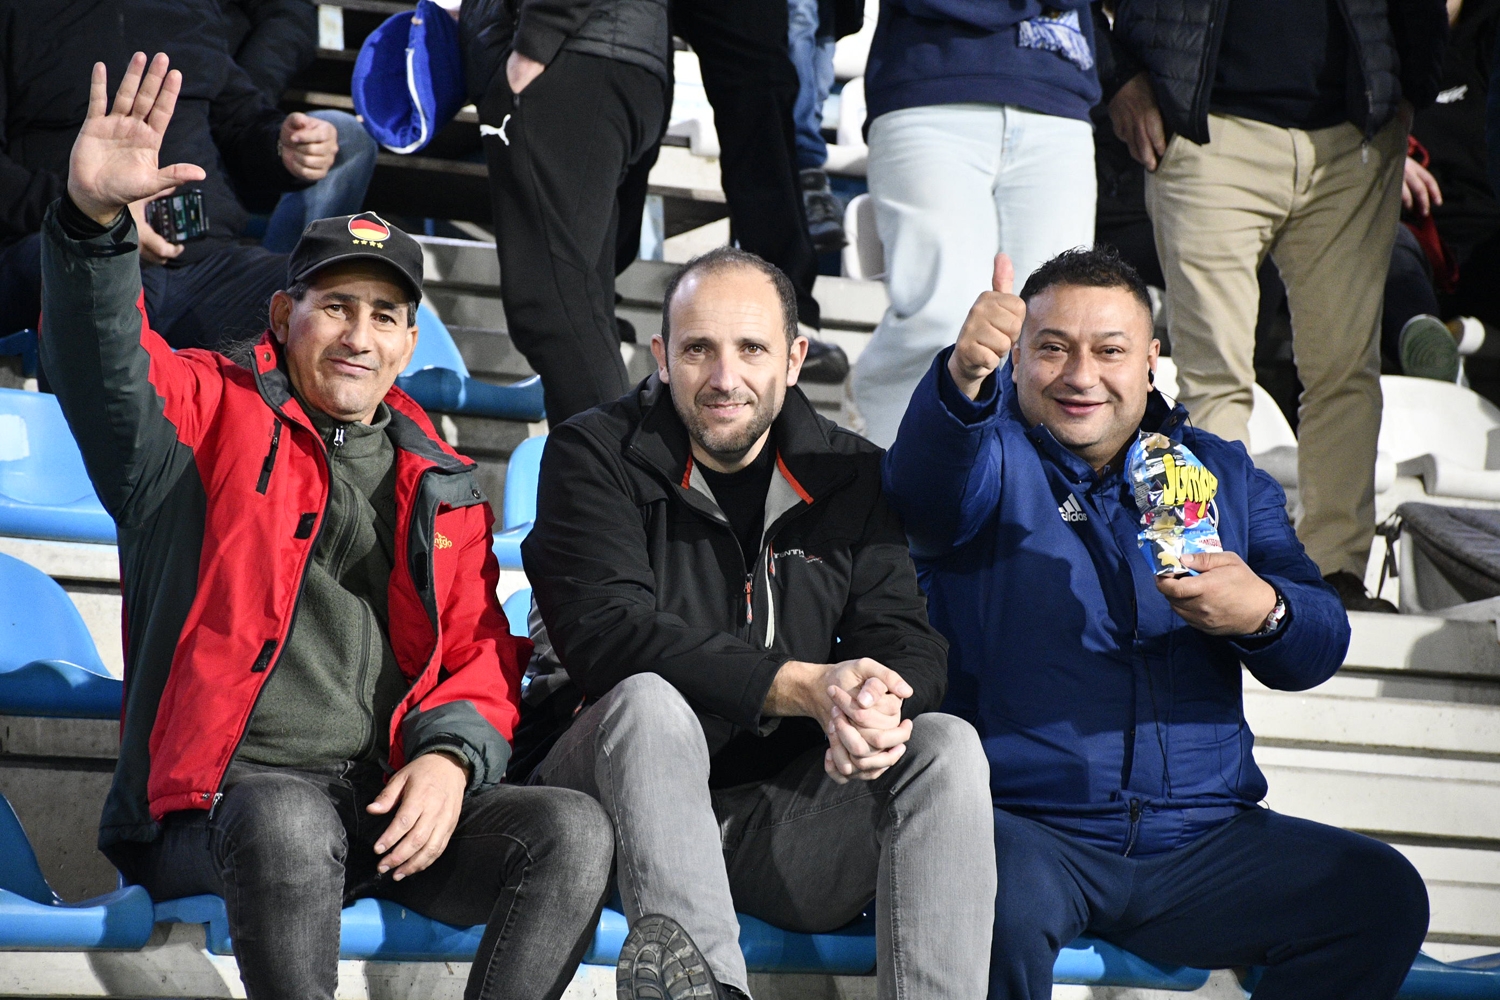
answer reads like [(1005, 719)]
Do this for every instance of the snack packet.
[(1175, 495)]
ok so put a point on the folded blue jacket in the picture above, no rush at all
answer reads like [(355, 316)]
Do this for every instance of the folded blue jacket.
[(1103, 713)]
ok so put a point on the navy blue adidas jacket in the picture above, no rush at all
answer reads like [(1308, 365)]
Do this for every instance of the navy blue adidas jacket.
[(955, 51), (1102, 712)]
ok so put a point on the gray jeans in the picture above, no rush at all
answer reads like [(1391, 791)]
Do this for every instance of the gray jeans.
[(285, 848), (797, 851)]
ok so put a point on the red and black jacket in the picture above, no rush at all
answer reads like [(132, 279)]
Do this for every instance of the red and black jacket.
[(219, 485)]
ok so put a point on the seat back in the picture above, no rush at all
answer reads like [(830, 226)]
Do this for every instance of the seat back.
[(44, 489), (522, 474), (1423, 416), (435, 346), (19, 871), (864, 256), (517, 609), (38, 621)]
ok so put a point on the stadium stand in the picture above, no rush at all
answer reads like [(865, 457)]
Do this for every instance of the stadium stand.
[(1401, 744)]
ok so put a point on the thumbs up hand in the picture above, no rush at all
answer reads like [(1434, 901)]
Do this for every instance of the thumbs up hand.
[(991, 328)]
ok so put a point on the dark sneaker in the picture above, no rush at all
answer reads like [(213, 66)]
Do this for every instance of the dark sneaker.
[(826, 362), (825, 216), (659, 961), (1428, 349), (1351, 591)]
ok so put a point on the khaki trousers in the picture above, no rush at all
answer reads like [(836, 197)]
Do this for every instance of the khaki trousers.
[(1325, 206)]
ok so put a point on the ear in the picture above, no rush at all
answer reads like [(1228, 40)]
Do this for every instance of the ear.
[(659, 352), (794, 358), (411, 347), (281, 316)]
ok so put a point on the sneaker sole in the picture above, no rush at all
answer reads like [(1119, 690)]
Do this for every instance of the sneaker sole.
[(659, 961), (1428, 350)]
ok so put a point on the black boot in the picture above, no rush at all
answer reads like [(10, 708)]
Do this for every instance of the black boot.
[(659, 961)]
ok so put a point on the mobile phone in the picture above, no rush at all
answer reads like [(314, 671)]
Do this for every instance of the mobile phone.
[(178, 218)]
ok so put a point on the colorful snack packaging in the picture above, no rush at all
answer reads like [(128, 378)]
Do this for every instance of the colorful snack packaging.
[(1175, 495)]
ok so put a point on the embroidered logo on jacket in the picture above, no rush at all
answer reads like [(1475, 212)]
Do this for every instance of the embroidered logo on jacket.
[(1072, 511), (440, 541)]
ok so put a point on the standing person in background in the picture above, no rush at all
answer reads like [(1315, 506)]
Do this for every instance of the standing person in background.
[(1287, 122), (577, 97), (743, 48), (812, 29), (979, 142)]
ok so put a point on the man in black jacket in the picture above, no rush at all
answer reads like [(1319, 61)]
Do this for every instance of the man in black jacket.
[(202, 290), (1287, 122), (728, 594)]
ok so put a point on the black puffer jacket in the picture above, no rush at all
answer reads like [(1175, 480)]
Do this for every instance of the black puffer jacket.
[(1397, 45), (636, 570), (629, 31)]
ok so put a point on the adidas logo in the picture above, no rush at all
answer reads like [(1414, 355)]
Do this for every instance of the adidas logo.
[(1071, 510)]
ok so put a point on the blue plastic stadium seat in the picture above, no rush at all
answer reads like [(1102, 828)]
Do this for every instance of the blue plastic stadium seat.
[(438, 379), (44, 490), (518, 611), (522, 473), (33, 918), (48, 663), (377, 929)]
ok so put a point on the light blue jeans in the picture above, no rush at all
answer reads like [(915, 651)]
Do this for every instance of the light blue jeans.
[(812, 54), (341, 192), (954, 184)]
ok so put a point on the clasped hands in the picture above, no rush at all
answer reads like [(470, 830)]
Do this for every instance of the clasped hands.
[(858, 704)]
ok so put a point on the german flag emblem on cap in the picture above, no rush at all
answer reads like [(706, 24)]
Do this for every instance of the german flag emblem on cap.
[(369, 227)]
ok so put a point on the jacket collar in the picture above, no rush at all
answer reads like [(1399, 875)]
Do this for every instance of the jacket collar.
[(805, 455), (406, 429), (1161, 417)]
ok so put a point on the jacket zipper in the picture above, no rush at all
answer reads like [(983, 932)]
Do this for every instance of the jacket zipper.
[(270, 462), (749, 597), (1135, 825), (218, 793)]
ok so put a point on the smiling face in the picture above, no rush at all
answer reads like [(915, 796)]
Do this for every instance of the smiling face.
[(1081, 367), (727, 362), (347, 338)]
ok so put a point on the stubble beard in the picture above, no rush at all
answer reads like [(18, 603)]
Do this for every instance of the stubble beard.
[(726, 444)]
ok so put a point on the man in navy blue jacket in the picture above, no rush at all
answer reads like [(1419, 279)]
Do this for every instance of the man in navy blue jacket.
[(1109, 700)]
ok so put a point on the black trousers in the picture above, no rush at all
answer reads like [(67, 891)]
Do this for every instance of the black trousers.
[(558, 154), (1331, 915), (752, 85), (285, 848)]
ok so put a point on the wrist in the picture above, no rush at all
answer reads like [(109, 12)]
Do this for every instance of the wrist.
[(792, 690), (101, 212), (1270, 623), (968, 386)]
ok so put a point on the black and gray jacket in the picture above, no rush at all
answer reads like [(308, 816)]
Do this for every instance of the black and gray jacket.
[(635, 569), (628, 31), (1397, 48)]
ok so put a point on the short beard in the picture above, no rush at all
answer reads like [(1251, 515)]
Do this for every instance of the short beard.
[(727, 446)]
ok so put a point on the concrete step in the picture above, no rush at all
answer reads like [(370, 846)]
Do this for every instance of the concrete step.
[(1318, 719), (1394, 796)]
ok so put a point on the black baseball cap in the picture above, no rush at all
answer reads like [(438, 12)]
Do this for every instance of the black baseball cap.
[(365, 236)]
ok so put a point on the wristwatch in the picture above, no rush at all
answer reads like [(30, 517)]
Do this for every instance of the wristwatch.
[(1273, 620)]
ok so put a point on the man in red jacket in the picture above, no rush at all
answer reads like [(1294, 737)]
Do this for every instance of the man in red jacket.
[(321, 686)]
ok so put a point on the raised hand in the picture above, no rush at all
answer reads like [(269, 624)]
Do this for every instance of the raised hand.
[(989, 331), (114, 160)]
